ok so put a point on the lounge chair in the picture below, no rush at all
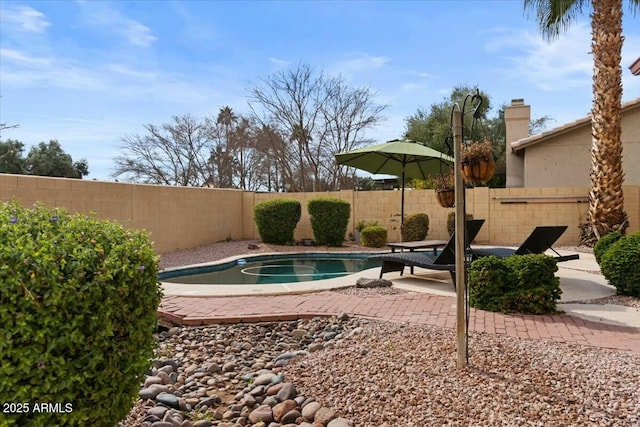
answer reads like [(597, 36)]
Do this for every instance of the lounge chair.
[(539, 241), (446, 260)]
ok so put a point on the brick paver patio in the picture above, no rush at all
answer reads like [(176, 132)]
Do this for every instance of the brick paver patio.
[(419, 308)]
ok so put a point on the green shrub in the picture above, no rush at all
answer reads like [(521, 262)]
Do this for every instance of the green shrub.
[(329, 220), (415, 227), (604, 244), (277, 219), (519, 283), (374, 236), (78, 302), (362, 224), (451, 222), (621, 265)]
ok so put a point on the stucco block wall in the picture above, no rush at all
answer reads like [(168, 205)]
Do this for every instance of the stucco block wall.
[(176, 217), (180, 217)]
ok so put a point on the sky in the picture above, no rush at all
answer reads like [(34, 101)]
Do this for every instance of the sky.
[(89, 73)]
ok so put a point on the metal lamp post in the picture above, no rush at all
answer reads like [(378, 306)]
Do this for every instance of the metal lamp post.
[(462, 312)]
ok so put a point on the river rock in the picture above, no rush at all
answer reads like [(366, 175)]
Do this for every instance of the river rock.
[(324, 415), (282, 408), (363, 282), (340, 422), (309, 410), (288, 391), (261, 413), (168, 399)]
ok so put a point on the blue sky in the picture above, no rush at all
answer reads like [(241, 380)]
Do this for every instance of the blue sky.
[(90, 72)]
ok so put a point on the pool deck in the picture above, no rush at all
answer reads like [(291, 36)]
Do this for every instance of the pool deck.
[(430, 301)]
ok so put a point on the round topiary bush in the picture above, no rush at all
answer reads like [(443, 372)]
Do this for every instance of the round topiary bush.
[(603, 245), (519, 283), (78, 302), (489, 277), (329, 220), (415, 227), (621, 265), (374, 236), (277, 219)]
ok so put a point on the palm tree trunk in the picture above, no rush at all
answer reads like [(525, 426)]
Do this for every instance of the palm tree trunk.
[(606, 202)]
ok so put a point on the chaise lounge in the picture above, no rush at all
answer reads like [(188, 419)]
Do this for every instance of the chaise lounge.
[(446, 260), (539, 241)]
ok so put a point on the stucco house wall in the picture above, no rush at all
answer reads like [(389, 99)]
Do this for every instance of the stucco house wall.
[(562, 156)]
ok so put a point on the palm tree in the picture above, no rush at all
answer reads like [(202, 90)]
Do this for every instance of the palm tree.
[(606, 201), (228, 120)]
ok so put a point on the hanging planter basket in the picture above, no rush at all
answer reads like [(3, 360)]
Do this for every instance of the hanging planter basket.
[(478, 170), (444, 186), (478, 163), (446, 198)]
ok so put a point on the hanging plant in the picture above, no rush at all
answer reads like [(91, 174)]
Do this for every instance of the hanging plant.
[(478, 162), (444, 186)]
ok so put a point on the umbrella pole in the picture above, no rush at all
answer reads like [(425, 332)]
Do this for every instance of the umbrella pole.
[(402, 207)]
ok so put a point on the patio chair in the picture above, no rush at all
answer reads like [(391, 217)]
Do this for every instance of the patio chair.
[(539, 241), (446, 260)]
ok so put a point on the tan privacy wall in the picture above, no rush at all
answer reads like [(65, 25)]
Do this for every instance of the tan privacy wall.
[(510, 213), (176, 217), (181, 217)]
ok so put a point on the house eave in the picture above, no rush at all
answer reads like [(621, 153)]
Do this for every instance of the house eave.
[(635, 67), (523, 143)]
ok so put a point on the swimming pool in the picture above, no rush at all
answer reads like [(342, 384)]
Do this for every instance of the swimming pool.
[(273, 269)]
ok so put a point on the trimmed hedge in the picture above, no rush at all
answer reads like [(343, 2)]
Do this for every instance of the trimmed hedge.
[(621, 265), (415, 227), (78, 302), (374, 236), (519, 283), (604, 244), (329, 220), (277, 219)]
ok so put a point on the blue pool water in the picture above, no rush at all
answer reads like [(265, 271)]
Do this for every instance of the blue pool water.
[(270, 269)]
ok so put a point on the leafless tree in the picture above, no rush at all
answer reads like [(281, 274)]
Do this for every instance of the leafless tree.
[(347, 113), (319, 116), (174, 153)]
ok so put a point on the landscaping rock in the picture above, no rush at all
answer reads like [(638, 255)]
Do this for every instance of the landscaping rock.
[(373, 283)]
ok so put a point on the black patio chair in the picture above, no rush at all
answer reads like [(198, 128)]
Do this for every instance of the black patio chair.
[(539, 241), (445, 260)]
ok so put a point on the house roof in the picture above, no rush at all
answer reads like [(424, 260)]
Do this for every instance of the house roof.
[(635, 68), (523, 143)]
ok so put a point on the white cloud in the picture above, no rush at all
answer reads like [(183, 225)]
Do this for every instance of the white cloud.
[(279, 63), (365, 62), (130, 72), (413, 87), (22, 58), (101, 16), (25, 19), (22, 70), (358, 64), (559, 65), (137, 34)]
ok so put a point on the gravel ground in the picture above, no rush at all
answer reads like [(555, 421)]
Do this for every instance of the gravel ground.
[(400, 375), (405, 375)]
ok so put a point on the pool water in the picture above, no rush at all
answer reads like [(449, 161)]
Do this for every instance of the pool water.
[(274, 269)]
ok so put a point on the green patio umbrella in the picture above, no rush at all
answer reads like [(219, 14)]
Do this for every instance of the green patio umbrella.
[(403, 158)]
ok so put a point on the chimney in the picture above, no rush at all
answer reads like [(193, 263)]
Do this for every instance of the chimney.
[(516, 118)]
